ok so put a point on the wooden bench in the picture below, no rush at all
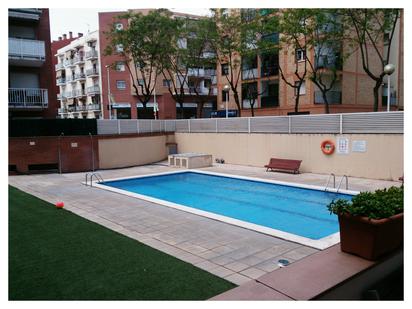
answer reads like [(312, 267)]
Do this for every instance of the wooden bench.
[(283, 164)]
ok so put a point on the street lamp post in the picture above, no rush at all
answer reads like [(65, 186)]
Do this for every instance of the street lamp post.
[(226, 89), (388, 70), (108, 91)]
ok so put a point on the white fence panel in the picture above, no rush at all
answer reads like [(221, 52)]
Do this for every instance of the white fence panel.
[(128, 126), (232, 125), (169, 125), (145, 126), (382, 122), (276, 124), (182, 125), (107, 126), (315, 124), (202, 125)]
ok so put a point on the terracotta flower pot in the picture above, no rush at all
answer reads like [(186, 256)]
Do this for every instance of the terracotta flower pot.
[(370, 238)]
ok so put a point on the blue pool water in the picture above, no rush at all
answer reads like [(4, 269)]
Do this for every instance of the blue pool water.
[(294, 210)]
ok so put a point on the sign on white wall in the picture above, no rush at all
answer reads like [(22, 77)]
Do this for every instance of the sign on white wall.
[(359, 146), (343, 145)]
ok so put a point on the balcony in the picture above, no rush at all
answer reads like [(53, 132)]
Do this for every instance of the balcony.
[(28, 98), (62, 110), (93, 90), (93, 107), (249, 74), (23, 52), (25, 14), (333, 97), (79, 93), (197, 72), (269, 101), (202, 91), (92, 72), (79, 76), (61, 97), (92, 54), (60, 81), (269, 71), (70, 94), (69, 79), (79, 59), (68, 63), (328, 62), (59, 66)]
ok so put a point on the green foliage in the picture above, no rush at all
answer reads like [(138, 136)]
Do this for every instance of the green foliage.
[(374, 205)]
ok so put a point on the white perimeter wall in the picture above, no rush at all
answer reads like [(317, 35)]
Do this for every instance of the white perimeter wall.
[(383, 158)]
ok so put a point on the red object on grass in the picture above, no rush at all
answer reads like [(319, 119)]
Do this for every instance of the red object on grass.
[(59, 205)]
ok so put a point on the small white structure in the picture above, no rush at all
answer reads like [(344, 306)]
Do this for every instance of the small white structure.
[(190, 160)]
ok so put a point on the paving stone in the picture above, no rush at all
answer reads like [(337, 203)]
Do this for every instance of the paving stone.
[(221, 271), (236, 266), (298, 253), (222, 260), (206, 265), (252, 272), (237, 278)]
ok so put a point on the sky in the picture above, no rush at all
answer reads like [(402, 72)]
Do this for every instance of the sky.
[(63, 20)]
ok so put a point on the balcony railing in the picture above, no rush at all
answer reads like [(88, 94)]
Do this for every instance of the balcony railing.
[(249, 73), (78, 59), (92, 72), (80, 93), (59, 66), (70, 94), (91, 54), (93, 90), (27, 49), (328, 62), (93, 107), (28, 98), (269, 101), (79, 76), (62, 110), (68, 62), (269, 70), (60, 81), (333, 97)]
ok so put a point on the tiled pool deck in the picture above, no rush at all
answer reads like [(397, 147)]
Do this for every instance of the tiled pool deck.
[(228, 251)]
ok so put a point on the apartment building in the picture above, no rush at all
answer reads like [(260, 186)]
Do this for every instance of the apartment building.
[(124, 103), (78, 78), (352, 91), (30, 83), (61, 42)]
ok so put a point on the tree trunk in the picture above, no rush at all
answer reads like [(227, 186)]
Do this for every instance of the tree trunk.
[(237, 101), (325, 100), (297, 103), (376, 95), (199, 109)]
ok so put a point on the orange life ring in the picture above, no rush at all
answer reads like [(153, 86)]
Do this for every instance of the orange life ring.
[(328, 147)]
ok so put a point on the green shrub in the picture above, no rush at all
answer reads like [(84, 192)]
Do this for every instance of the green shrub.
[(374, 205)]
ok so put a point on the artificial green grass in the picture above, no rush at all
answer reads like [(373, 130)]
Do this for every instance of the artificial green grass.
[(57, 255)]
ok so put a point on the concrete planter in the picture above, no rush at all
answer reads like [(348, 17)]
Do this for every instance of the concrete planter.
[(370, 238)]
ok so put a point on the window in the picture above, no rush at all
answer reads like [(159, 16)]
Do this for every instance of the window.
[(120, 66), (302, 89), (140, 82), (119, 48), (166, 82), (300, 54), (225, 69), (118, 26), (121, 84)]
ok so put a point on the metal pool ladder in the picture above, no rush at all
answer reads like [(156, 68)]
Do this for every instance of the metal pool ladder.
[(340, 182), (91, 175), (331, 176)]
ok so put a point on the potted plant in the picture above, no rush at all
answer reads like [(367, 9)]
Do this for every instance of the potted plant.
[(371, 225)]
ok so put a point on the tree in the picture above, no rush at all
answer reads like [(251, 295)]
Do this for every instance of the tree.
[(232, 38), (372, 27), (144, 43), (318, 31), (191, 57)]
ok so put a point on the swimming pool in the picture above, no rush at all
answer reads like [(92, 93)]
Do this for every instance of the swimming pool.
[(296, 213)]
